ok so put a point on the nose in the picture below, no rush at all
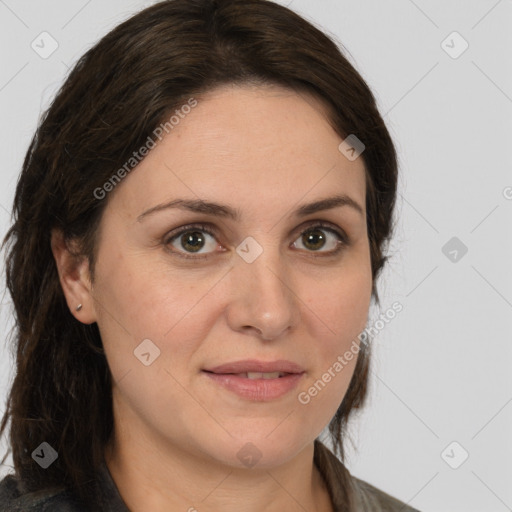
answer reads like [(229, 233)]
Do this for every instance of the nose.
[(263, 297)]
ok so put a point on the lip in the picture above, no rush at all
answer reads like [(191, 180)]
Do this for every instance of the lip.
[(256, 390), (254, 365)]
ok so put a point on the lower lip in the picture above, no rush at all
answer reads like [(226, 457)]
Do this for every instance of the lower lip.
[(257, 390)]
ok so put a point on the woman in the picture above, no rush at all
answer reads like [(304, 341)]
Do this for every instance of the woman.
[(199, 225)]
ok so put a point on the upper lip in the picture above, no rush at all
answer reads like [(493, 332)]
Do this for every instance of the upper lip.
[(253, 365)]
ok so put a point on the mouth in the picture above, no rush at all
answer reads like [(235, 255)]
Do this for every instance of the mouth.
[(257, 380), (256, 375), (251, 366)]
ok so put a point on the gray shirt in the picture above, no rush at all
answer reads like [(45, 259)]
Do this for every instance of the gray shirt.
[(340, 483)]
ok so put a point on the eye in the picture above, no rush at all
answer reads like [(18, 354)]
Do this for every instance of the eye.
[(316, 237), (190, 240)]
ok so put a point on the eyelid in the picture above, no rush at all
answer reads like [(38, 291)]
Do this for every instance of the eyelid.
[(213, 231)]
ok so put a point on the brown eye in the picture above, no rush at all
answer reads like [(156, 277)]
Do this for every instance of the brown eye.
[(314, 239), (191, 240), (317, 237)]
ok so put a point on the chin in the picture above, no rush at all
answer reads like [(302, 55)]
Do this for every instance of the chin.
[(257, 449)]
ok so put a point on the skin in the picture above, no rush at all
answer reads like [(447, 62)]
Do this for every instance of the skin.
[(265, 151)]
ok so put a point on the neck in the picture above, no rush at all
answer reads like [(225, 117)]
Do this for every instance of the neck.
[(174, 479)]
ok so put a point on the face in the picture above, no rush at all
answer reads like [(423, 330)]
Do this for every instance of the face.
[(259, 282)]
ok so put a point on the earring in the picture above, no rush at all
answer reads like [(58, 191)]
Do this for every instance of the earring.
[(79, 307)]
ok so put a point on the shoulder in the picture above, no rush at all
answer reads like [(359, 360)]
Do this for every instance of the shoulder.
[(371, 499), (13, 499)]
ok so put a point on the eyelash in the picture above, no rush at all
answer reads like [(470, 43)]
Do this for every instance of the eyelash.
[(343, 238)]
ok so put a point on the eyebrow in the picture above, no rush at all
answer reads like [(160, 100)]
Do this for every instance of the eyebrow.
[(224, 211)]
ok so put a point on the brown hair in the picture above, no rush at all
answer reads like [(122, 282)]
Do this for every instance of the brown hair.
[(117, 94)]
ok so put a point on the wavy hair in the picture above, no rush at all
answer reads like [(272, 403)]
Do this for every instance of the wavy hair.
[(113, 99)]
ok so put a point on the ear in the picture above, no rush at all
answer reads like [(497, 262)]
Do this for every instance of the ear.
[(74, 278)]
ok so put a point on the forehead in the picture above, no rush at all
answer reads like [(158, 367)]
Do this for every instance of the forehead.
[(245, 144)]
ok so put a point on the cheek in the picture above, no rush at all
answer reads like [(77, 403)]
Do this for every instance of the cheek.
[(153, 327), (339, 309), (140, 299), (341, 303)]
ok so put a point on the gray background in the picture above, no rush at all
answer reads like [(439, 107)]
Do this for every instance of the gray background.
[(442, 367)]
